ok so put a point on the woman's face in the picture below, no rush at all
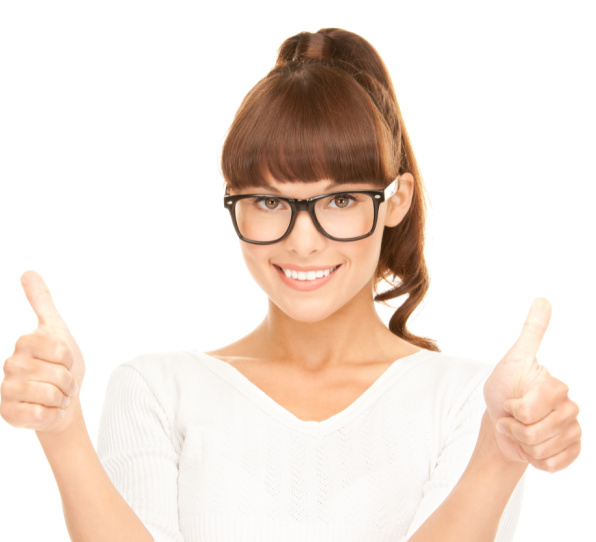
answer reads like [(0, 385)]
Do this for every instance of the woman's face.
[(348, 267)]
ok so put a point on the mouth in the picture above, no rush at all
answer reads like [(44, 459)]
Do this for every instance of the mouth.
[(310, 275), (306, 279)]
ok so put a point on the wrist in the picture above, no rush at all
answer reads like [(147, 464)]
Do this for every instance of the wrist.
[(72, 428), (488, 456)]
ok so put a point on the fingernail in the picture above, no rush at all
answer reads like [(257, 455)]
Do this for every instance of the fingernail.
[(506, 409), (66, 402), (500, 428), (61, 414), (74, 390)]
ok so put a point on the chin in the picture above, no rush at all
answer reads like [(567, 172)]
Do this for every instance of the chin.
[(308, 313)]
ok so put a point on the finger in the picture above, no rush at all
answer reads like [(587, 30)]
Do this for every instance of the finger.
[(45, 347), (539, 401), (556, 423), (55, 374), (40, 299), (534, 329), (31, 416), (40, 371), (37, 393), (559, 461), (569, 435)]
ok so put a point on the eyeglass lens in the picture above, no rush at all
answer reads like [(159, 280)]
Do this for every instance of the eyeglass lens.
[(343, 216)]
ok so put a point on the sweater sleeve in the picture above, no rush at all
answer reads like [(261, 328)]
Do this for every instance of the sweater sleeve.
[(138, 451), (458, 445)]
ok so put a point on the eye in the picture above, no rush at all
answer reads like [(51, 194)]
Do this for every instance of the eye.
[(341, 201), (269, 204)]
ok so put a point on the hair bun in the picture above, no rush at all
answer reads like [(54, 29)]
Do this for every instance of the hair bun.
[(307, 46), (340, 48)]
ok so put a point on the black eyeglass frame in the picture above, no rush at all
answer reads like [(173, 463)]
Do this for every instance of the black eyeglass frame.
[(308, 205)]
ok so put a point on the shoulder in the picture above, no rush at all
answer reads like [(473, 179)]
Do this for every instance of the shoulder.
[(446, 367), (447, 380), (163, 365), (168, 376)]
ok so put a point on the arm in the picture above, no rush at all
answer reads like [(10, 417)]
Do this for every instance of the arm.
[(39, 392), (529, 420), (93, 508), (473, 509)]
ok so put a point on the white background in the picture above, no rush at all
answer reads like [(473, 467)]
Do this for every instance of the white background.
[(112, 115)]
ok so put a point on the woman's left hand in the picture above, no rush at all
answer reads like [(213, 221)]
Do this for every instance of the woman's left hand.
[(532, 416)]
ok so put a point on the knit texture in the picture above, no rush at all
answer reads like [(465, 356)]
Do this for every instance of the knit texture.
[(202, 454)]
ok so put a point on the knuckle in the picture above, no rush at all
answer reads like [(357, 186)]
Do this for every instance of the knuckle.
[(6, 411), (25, 390), (62, 377), (529, 435), (550, 464), (577, 432), (56, 397), (23, 343), (39, 414), (576, 451), (61, 350), (4, 389), (540, 452), (49, 396), (11, 366), (524, 412), (562, 390)]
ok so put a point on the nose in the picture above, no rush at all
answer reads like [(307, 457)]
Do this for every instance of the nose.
[(305, 239)]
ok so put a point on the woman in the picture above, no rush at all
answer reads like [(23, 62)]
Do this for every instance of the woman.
[(321, 424)]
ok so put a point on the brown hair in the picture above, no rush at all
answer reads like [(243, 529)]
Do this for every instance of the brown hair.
[(328, 110)]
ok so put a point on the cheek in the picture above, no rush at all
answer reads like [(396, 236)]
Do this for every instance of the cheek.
[(255, 258), (371, 252)]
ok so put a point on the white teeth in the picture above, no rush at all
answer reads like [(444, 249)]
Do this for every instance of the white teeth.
[(307, 275)]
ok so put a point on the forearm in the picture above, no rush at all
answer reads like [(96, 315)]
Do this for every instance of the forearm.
[(472, 511), (93, 508)]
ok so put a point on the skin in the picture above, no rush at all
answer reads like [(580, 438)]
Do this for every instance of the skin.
[(337, 324), (316, 335)]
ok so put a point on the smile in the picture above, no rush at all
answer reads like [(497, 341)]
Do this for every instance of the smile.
[(307, 275)]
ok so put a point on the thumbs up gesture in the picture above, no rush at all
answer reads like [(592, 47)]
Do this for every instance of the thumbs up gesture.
[(530, 411), (45, 372)]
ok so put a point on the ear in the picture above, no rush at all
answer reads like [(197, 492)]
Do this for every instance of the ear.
[(398, 205)]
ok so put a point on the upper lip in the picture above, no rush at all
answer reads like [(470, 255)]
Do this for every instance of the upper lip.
[(292, 267)]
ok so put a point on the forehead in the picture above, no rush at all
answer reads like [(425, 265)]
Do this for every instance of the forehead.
[(303, 190)]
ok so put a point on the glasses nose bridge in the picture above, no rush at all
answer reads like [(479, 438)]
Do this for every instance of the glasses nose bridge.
[(307, 206), (303, 205)]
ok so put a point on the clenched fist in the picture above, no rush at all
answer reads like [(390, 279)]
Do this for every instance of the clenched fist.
[(530, 410), (45, 372)]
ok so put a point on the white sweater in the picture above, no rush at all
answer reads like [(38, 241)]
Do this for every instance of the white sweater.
[(202, 454)]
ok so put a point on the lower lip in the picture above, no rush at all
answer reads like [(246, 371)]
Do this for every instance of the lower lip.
[(306, 285)]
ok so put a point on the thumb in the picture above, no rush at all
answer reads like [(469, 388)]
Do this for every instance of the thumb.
[(533, 331), (40, 299)]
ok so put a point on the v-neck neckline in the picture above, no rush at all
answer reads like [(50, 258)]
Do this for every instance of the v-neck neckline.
[(312, 427)]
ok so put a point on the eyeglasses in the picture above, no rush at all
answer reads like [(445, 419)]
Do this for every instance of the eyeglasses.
[(264, 219)]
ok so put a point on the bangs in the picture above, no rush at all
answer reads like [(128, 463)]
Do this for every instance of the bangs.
[(308, 124)]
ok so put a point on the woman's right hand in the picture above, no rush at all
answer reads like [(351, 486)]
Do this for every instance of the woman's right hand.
[(44, 374)]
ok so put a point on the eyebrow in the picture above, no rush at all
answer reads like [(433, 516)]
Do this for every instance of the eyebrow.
[(271, 190)]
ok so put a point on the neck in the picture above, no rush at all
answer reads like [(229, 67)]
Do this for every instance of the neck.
[(353, 334)]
